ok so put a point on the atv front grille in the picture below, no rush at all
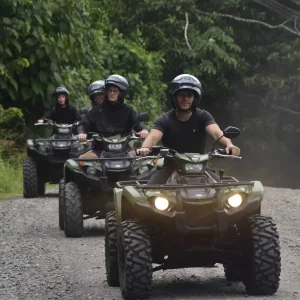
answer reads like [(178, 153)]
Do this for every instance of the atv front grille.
[(204, 215)]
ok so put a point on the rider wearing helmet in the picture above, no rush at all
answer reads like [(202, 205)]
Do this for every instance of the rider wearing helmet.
[(96, 92), (113, 117), (183, 128), (63, 112)]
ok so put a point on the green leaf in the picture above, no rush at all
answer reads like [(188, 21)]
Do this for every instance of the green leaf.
[(26, 92), (6, 21), (8, 52), (57, 78), (43, 76), (17, 45), (14, 83), (36, 87), (39, 19)]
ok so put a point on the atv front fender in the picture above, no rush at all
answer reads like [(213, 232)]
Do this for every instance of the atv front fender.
[(131, 196)]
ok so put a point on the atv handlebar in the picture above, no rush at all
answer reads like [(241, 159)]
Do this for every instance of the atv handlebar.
[(51, 123), (160, 151)]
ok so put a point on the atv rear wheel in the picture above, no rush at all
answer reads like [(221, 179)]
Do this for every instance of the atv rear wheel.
[(61, 205), (111, 253), (135, 260), (262, 256), (73, 211), (30, 178)]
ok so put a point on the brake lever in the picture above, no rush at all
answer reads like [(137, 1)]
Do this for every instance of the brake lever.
[(227, 156)]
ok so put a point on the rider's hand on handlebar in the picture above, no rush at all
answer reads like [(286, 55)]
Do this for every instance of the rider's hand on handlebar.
[(233, 150), (82, 137), (144, 151), (143, 134)]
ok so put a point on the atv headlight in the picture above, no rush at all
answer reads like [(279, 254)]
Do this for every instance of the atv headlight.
[(161, 203), (80, 147), (64, 130), (114, 146), (43, 148), (193, 168), (235, 200), (91, 171), (143, 169)]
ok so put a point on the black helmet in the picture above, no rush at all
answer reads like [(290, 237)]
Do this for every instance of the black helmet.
[(120, 82), (61, 91), (185, 82), (96, 87)]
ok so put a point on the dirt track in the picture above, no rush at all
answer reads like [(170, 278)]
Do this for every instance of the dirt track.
[(38, 262)]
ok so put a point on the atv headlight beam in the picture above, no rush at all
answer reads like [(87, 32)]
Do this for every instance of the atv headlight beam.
[(235, 200), (161, 203)]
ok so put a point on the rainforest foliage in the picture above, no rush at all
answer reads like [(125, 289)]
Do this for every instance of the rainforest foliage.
[(248, 66)]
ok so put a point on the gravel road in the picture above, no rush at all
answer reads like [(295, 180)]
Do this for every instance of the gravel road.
[(37, 261)]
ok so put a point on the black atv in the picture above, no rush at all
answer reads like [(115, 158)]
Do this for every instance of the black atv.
[(87, 188), (196, 219), (46, 157)]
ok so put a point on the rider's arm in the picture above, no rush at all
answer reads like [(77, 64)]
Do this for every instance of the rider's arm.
[(134, 119), (77, 116), (85, 124), (48, 115), (215, 132), (152, 139)]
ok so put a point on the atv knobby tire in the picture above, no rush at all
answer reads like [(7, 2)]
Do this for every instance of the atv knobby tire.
[(30, 178), (135, 260), (73, 225), (111, 253), (61, 204), (262, 256)]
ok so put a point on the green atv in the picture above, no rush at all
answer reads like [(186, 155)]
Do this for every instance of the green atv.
[(196, 219), (46, 157), (87, 188)]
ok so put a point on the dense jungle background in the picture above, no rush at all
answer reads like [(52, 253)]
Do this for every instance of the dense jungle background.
[(245, 52)]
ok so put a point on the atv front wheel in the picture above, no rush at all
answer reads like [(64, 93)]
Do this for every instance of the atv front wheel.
[(73, 211), (135, 260), (61, 205), (111, 253), (262, 256), (30, 178)]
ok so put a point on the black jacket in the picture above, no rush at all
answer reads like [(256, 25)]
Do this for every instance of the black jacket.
[(110, 119), (66, 115)]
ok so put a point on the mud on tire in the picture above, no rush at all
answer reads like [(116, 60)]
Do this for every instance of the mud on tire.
[(111, 253), (30, 178), (61, 205), (262, 256), (135, 260), (73, 224)]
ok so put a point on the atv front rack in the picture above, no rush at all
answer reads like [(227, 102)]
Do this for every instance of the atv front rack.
[(143, 184)]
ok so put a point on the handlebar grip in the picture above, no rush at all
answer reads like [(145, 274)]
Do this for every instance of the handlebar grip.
[(221, 151)]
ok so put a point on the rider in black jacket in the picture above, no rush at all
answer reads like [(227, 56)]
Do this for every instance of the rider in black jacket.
[(113, 117), (63, 112), (96, 91)]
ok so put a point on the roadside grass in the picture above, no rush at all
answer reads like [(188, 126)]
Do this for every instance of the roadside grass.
[(11, 177), (11, 182)]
